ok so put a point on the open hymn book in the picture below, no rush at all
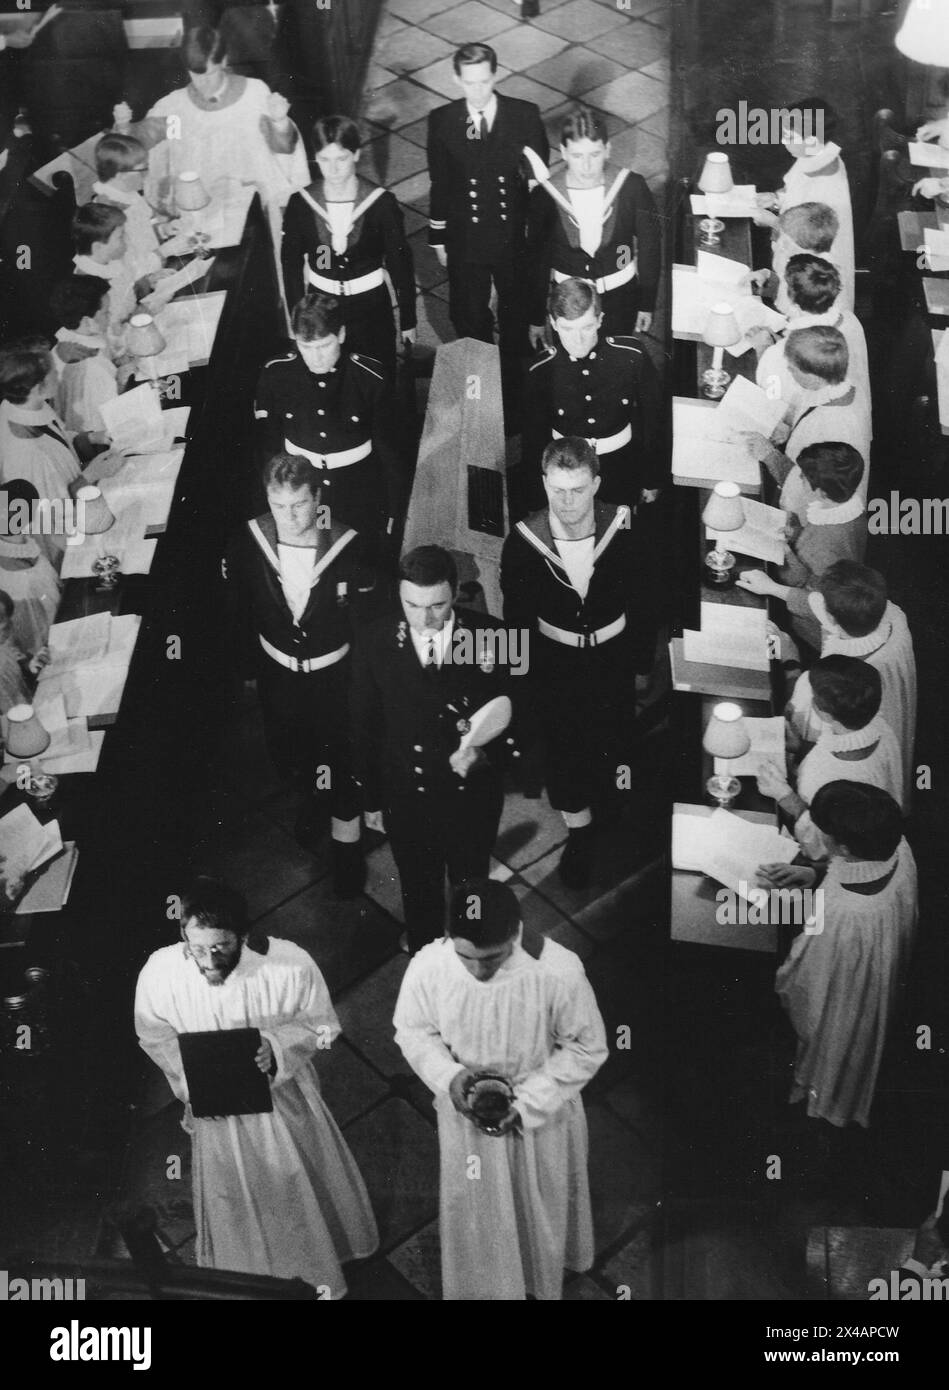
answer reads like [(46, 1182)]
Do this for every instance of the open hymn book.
[(730, 635), (728, 848)]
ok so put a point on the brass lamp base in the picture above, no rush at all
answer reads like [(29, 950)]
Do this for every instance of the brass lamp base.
[(719, 568)]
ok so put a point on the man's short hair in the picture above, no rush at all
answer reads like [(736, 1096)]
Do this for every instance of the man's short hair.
[(813, 283), (203, 45), (470, 53), (584, 124), (77, 298), (484, 912), (428, 565), (292, 471), (833, 467), (820, 351), (811, 226), (95, 222), (855, 596), (864, 819), (847, 689), (571, 453), (210, 903), (23, 365), (570, 299), (316, 315), (337, 130), (116, 154)]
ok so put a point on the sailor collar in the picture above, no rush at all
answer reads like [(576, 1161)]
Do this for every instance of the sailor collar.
[(606, 522)]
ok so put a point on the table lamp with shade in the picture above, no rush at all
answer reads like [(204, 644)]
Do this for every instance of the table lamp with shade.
[(26, 740), (716, 177), (724, 511), (721, 331), (726, 736), (143, 341), (924, 33), (190, 196), (95, 517)]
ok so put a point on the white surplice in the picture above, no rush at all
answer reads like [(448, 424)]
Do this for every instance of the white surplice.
[(279, 1193), (822, 178), (513, 1229), (890, 649), (880, 766), (841, 985)]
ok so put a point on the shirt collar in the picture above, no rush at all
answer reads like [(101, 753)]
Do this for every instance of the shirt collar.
[(852, 740), (866, 870), (442, 642), (106, 270), (44, 416), (489, 113), (813, 163), (89, 340), (115, 195)]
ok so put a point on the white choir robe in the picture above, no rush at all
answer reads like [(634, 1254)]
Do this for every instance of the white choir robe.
[(890, 649), (277, 1194), (841, 985), (822, 178), (881, 765), (512, 1230)]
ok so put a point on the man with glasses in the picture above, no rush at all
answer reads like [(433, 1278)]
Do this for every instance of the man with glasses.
[(276, 1193)]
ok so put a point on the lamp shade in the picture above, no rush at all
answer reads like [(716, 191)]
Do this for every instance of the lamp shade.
[(94, 514), (721, 328), (924, 33), (26, 737), (143, 338), (716, 175), (190, 193), (726, 735), (724, 510)]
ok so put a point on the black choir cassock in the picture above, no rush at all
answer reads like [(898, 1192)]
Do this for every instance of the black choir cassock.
[(345, 422), (478, 212), (585, 653), (407, 720), (626, 265), (375, 242), (611, 397)]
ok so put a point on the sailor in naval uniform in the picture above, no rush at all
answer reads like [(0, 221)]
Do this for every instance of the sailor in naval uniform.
[(595, 221), (604, 389), (572, 574), (342, 235), (296, 577), (335, 409)]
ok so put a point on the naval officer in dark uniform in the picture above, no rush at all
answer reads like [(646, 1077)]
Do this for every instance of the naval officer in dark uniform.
[(296, 578), (419, 676), (602, 388), (479, 201), (573, 575), (335, 409)]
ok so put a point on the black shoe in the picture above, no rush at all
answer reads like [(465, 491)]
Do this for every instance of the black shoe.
[(349, 868), (576, 862)]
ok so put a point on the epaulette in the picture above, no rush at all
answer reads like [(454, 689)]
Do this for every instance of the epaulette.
[(549, 352), (274, 360), (626, 341), (368, 364)]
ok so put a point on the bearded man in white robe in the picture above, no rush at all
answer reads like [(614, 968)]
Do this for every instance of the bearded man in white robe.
[(514, 1206), (275, 1193)]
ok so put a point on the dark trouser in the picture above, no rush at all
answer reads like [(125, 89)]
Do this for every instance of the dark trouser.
[(306, 724), (469, 296), (370, 326), (620, 308), (432, 834), (357, 495), (585, 703)]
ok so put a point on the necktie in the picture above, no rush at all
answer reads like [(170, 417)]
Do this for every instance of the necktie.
[(430, 653), (482, 127)]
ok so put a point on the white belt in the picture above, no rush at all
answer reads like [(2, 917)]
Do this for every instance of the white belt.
[(609, 443), (605, 282), (341, 459), (345, 287), (582, 639), (309, 663)]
